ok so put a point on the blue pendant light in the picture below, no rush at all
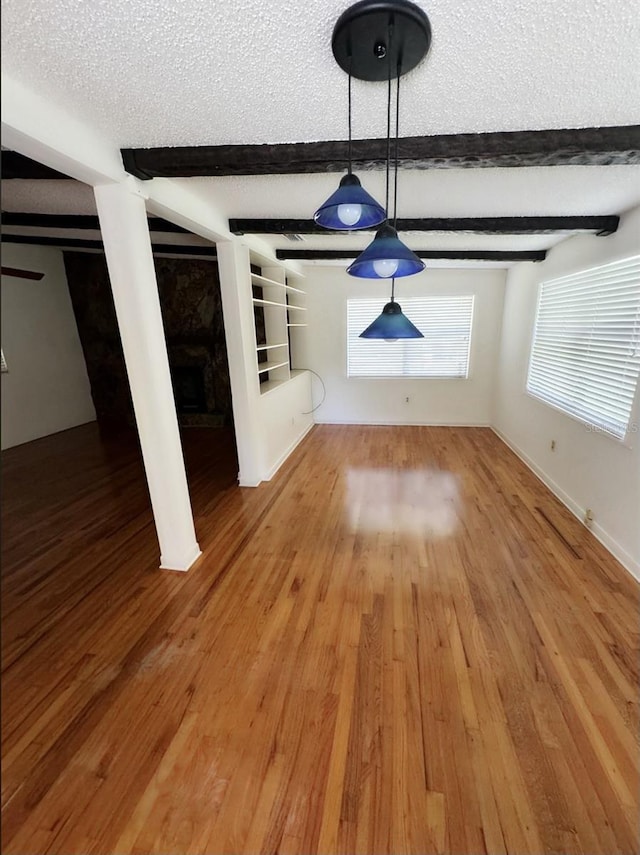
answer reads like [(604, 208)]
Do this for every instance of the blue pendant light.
[(350, 207), (386, 257), (391, 324)]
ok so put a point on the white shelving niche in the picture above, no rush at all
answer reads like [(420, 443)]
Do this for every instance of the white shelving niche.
[(278, 297)]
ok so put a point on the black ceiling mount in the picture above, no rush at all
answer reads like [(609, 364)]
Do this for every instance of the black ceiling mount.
[(373, 37)]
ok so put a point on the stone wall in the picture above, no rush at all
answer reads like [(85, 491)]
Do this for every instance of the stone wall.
[(192, 315)]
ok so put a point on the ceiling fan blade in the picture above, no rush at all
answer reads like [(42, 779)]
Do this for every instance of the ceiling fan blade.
[(22, 274)]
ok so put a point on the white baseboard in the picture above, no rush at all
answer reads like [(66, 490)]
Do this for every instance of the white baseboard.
[(396, 423), (182, 564), (286, 453), (618, 552), (244, 483)]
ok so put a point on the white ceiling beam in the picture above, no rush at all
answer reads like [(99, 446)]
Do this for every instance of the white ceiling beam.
[(44, 132)]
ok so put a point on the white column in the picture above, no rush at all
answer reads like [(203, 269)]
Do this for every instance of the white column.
[(240, 333), (127, 246)]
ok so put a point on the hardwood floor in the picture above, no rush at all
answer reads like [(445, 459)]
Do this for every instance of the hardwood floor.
[(401, 644)]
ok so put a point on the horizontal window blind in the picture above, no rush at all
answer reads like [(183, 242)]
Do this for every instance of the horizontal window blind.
[(4, 364), (445, 323), (585, 356)]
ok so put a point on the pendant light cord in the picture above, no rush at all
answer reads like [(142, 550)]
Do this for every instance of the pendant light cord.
[(349, 102), (390, 31), (395, 169)]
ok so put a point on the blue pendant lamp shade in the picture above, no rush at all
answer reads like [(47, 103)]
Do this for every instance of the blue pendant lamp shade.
[(386, 256), (391, 325), (350, 207)]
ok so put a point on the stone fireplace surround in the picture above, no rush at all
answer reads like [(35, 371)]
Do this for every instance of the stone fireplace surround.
[(191, 307), (183, 356)]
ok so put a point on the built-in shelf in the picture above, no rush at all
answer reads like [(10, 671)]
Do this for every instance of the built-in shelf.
[(270, 366), (271, 299), (270, 385), (262, 280), (271, 346), (258, 302)]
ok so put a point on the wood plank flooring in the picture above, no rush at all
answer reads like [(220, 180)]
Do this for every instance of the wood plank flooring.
[(401, 644)]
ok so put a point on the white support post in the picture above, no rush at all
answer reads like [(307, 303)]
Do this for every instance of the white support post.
[(237, 305), (127, 245)]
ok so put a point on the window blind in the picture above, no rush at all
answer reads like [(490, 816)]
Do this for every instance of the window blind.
[(4, 364), (445, 323), (585, 355)]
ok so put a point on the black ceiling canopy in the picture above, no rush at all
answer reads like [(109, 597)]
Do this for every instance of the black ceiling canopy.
[(375, 37)]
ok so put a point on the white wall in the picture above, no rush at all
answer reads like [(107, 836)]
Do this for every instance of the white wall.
[(375, 401), (47, 387), (286, 418), (587, 469)]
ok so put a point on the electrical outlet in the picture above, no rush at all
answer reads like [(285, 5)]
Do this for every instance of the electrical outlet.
[(588, 517), (553, 445), (406, 400)]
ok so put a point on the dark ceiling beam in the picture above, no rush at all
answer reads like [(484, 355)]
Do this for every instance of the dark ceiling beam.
[(602, 225), (605, 225), (79, 243), (455, 254), (575, 146), (14, 165), (18, 273), (78, 221)]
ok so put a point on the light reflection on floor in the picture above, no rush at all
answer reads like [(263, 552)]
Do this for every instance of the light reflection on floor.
[(422, 502)]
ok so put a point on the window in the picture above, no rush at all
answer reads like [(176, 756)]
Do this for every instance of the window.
[(445, 323), (585, 355)]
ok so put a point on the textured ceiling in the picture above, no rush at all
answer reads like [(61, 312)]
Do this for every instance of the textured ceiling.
[(189, 72)]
